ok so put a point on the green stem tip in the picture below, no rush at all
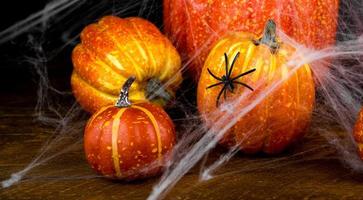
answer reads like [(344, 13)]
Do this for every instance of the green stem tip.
[(269, 37)]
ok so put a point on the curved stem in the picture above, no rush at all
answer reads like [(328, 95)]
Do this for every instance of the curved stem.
[(269, 37), (123, 100)]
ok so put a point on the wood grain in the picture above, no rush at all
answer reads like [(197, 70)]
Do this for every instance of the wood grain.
[(315, 174)]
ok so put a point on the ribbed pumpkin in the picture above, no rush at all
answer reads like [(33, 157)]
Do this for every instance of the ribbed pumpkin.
[(128, 141), (250, 67), (358, 133), (195, 25), (114, 49)]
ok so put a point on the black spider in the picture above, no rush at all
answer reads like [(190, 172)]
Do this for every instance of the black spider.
[(227, 81)]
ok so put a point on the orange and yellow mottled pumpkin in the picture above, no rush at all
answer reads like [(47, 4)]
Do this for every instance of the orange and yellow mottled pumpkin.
[(195, 25), (114, 49), (358, 133), (129, 141), (281, 117)]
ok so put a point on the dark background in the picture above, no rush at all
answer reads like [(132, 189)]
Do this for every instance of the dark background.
[(13, 74), (20, 58)]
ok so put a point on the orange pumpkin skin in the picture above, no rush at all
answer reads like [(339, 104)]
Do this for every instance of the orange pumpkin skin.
[(195, 25), (280, 118), (358, 133), (114, 49), (129, 143)]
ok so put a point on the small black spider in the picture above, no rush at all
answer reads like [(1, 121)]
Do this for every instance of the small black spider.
[(228, 81)]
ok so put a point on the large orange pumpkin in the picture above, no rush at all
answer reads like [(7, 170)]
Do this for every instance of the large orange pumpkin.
[(195, 25), (242, 64), (358, 133), (114, 49), (128, 141)]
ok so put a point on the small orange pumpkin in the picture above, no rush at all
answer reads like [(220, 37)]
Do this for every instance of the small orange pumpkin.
[(358, 133), (114, 49), (282, 116), (128, 141)]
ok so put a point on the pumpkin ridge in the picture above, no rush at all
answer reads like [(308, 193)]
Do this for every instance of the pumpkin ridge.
[(101, 134), (98, 58), (266, 112), (155, 125), (145, 49), (102, 64), (189, 25), (249, 53), (126, 54), (266, 128), (97, 54), (115, 130), (99, 112), (94, 88), (166, 62)]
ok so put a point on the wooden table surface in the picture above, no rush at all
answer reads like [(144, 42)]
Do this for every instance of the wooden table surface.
[(309, 171)]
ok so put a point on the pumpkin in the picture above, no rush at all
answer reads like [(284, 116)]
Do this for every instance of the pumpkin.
[(128, 141), (114, 49), (257, 64), (358, 133), (195, 25)]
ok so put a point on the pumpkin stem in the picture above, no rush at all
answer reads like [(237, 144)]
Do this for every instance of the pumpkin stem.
[(269, 37), (155, 91), (123, 100)]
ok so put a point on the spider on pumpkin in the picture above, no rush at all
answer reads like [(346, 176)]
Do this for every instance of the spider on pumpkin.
[(228, 81)]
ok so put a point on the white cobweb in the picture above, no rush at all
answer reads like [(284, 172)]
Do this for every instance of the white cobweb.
[(339, 92)]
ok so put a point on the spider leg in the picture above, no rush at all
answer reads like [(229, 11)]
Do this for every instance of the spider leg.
[(219, 95), (230, 87), (220, 83), (243, 74), (225, 94), (227, 63), (244, 84), (214, 76), (234, 60)]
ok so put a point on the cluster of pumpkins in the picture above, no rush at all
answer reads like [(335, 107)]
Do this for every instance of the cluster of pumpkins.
[(130, 136)]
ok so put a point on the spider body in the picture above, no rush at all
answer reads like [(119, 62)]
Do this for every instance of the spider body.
[(227, 81)]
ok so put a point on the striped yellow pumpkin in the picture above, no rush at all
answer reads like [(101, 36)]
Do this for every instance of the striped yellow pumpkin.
[(114, 49)]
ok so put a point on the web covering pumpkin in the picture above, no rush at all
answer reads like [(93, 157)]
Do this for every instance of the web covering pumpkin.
[(195, 25), (247, 66)]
